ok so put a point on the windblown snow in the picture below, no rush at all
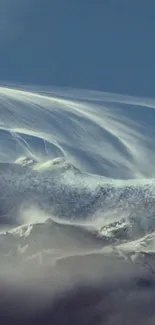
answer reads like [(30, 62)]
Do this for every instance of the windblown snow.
[(77, 197)]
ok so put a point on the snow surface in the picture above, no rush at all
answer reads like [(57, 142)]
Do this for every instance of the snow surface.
[(77, 194)]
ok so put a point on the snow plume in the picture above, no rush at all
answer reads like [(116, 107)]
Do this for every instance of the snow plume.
[(92, 288), (77, 207)]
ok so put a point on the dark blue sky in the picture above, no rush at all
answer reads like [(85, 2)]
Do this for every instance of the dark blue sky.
[(107, 45)]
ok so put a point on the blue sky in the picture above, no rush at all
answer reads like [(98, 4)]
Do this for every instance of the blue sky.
[(106, 45)]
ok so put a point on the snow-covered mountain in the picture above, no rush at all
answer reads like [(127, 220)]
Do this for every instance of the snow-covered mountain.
[(77, 194)]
